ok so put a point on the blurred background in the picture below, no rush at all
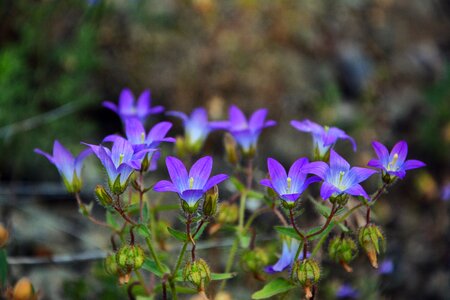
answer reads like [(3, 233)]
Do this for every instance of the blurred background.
[(378, 69)]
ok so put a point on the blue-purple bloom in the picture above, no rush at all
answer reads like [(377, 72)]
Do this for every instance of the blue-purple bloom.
[(128, 109), (69, 167), (119, 162), (386, 267), (445, 193), (197, 127), (346, 291), (324, 137), (338, 177), (287, 257), (394, 163), (190, 186), (290, 186), (246, 133)]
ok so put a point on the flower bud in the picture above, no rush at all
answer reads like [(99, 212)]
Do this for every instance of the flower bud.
[(306, 272), (197, 272), (103, 196), (369, 238), (388, 178), (189, 208), (210, 202), (4, 236), (228, 213), (180, 147), (110, 265), (343, 250), (254, 260), (23, 290), (130, 257), (231, 149)]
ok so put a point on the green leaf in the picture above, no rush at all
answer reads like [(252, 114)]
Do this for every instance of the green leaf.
[(288, 231), (200, 232), (237, 184), (275, 287), (180, 289), (111, 220), (151, 266), (222, 276), (255, 194), (316, 229), (167, 207), (181, 236), (143, 231), (145, 213), (3, 267), (322, 209), (145, 297), (244, 239)]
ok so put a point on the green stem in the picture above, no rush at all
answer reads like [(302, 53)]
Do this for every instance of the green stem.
[(300, 247), (342, 219), (242, 210), (319, 244), (180, 259), (173, 289), (153, 253), (230, 261)]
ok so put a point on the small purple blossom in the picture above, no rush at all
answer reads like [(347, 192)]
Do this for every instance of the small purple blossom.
[(394, 163), (128, 109), (119, 162), (69, 167), (288, 186), (287, 257), (246, 133), (324, 137), (445, 194), (189, 186), (197, 127), (338, 177), (386, 267), (346, 291)]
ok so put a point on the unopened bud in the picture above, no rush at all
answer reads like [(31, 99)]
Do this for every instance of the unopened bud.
[(228, 213), (372, 241), (340, 199), (103, 196), (197, 272), (388, 178), (254, 260), (231, 149), (343, 251), (210, 202), (23, 290), (130, 257), (306, 272), (4, 236)]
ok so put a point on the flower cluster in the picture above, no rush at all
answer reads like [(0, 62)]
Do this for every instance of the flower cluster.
[(127, 158)]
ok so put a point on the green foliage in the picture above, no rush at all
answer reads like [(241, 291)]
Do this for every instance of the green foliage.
[(274, 287)]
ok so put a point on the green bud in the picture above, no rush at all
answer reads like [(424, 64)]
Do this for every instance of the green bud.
[(228, 213), (306, 272), (230, 149), (288, 204), (130, 257), (388, 178), (254, 260), (110, 265), (103, 196), (197, 273), (210, 202), (343, 251), (372, 241), (189, 208)]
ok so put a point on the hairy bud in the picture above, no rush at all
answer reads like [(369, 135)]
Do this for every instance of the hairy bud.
[(254, 260), (23, 290), (306, 272), (372, 241), (231, 149), (210, 202), (197, 272), (130, 257), (343, 251), (103, 196)]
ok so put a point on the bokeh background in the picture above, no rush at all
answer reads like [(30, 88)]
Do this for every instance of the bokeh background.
[(377, 68)]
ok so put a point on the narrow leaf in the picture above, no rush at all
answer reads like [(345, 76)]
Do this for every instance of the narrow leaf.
[(143, 231), (222, 276), (275, 287), (151, 266), (3, 268), (288, 231), (237, 184), (181, 236)]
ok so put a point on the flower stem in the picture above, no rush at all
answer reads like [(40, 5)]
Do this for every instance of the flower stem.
[(153, 253), (230, 261), (242, 210), (82, 206), (334, 209)]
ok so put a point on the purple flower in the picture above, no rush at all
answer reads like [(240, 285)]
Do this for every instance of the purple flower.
[(287, 257), (197, 127), (393, 163), (69, 167), (288, 186), (119, 162), (245, 132), (128, 109), (445, 194), (347, 291), (386, 267), (338, 177), (190, 187), (324, 137)]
